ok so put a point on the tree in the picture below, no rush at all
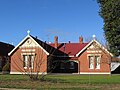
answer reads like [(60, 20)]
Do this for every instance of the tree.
[(33, 64), (110, 12), (6, 68), (30, 59)]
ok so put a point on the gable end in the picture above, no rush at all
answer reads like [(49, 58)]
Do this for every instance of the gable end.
[(100, 46), (24, 43)]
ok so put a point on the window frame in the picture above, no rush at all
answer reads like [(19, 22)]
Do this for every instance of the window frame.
[(91, 62), (94, 60), (28, 63), (25, 61), (97, 60)]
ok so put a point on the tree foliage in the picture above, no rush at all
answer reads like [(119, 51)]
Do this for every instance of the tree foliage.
[(6, 68), (110, 12)]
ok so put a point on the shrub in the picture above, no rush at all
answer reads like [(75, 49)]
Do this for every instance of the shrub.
[(6, 68)]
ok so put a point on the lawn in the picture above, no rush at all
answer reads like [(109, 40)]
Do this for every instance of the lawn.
[(61, 82)]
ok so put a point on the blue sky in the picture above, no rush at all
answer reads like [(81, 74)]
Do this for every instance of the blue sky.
[(68, 19)]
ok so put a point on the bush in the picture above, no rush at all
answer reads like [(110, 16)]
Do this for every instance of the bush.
[(6, 68)]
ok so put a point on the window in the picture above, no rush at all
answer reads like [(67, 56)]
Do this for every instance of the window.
[(72, 65), (97, 58), (31, 58), (91, 62), (94, 61), (25, 61), (28, 61)]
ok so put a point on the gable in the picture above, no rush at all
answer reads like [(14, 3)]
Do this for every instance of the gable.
[(28, 41), (95, 47)]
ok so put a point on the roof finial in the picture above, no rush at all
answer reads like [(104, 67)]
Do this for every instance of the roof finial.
[(93, 36), (28, 32)]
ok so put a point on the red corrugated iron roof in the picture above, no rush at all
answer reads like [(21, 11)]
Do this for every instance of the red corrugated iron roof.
[(70, 48)]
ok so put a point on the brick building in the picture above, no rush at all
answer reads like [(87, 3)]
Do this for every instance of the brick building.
[(34, 55)]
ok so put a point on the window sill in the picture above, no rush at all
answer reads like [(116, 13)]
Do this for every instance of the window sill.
[(25, 67)]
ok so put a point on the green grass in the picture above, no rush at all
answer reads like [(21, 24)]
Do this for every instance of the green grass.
[(87, 79), (61, 82)]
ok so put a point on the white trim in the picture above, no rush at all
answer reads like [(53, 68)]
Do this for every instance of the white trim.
[(28, 50), (71, 56), (93, 55), (23, 47), (94, 59), (28, 36), (90, 44), (18, 45), (26, 73), (99, 51), (63, 73), (95, 73), (91, 62), (39, 46), (83, 49), (27, 53), (33, 58)]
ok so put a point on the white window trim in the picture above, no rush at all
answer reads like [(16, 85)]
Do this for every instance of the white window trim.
[(27, 54), (91, 63), (99, 62), (28, 50), (94, 59), (25, 67)]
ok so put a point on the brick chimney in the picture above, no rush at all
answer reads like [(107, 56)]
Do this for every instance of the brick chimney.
[(56, 41), (80, 39)]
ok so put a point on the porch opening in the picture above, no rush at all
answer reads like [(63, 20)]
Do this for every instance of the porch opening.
[(66, 67)]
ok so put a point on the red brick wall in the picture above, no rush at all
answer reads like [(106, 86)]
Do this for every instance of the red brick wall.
[(84, 63), (40, 61)]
